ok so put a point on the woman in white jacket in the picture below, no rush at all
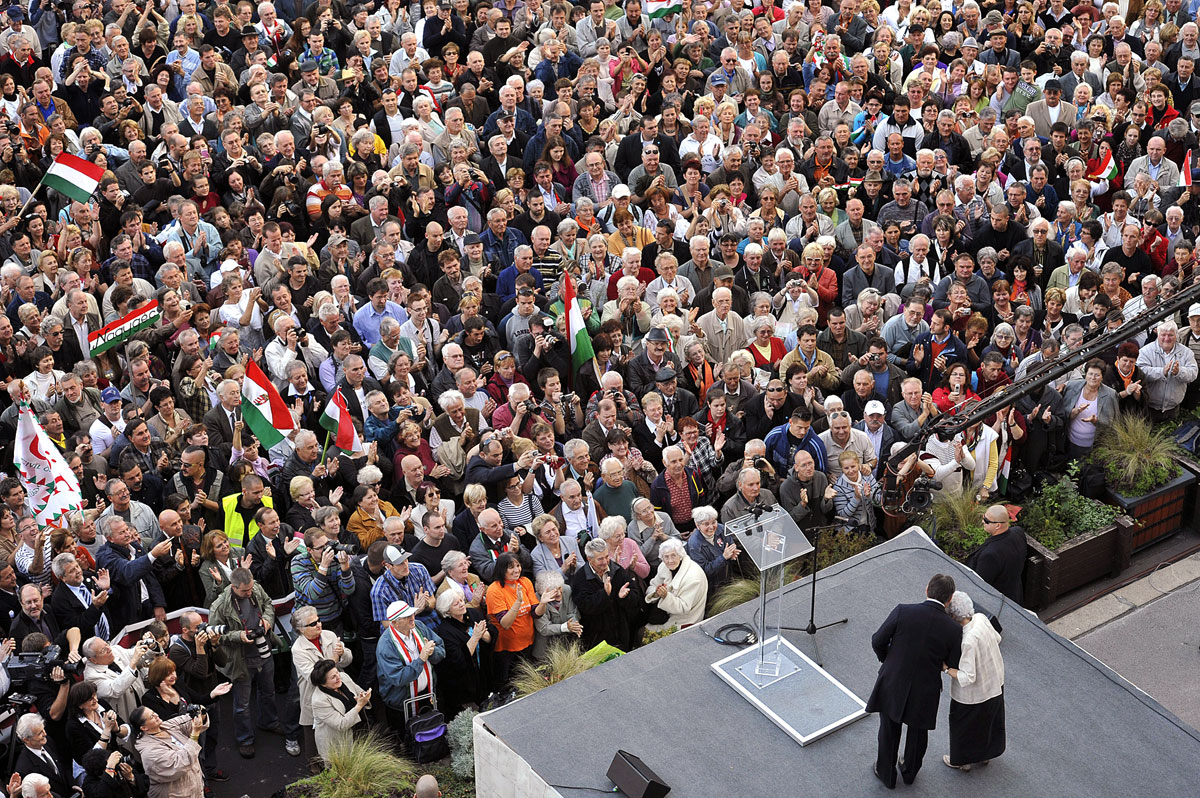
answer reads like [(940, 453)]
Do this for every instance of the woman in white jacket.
[(679, 588), (337, 704), (976, 690)]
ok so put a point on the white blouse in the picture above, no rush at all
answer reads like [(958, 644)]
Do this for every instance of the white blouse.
[(980, 668)]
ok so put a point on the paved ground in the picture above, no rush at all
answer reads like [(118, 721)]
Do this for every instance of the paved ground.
[(1147, 632)]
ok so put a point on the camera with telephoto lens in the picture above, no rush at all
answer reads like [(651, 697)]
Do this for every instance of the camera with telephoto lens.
[(761, 462), (258, 638), (344, 548), (552, 340), (531, 406), (213, 629)]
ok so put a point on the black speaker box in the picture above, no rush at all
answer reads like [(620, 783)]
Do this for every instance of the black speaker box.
[(634, 778)]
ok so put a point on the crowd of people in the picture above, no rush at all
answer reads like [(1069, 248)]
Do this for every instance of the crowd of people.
[(793, 233)]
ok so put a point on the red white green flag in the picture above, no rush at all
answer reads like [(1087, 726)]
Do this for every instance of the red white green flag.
[(337, 420), (73, 177), (1185, 174), (1108, 169), (263, 409), (51, 484), (577, 334), (123, 328)]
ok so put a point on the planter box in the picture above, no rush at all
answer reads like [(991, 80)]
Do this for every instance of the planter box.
[(1160, 513), (1191, 508), (1050, 574)]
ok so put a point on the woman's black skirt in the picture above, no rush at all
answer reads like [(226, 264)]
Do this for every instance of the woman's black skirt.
[(976, 731)]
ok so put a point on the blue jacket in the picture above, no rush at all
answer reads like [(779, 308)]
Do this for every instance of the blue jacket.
[(710, 556), (955, 352), (567, 65), (783, 455), (660, 494), (506, 283), (125, 605), (499, 251), (394, 674)]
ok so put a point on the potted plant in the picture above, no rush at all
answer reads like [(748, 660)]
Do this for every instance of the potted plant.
[(958, 523), (1143, 477), (1072, 540)]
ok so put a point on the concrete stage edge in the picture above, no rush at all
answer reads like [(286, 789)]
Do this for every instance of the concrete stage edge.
[(1075, 727)]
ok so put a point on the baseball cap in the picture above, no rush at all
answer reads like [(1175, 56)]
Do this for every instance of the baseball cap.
[(874, 408), (718, 79), (722, 273), (1194, 310), (621, 190), (506, 115), (399, 609), (15, 12), (394, 555), (337, 238), (109, 395), (1052, 85)]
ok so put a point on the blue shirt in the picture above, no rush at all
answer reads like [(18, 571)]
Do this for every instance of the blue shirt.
[(501, 252), (366, 320), (388, 589), (190, 62), (506, 283)]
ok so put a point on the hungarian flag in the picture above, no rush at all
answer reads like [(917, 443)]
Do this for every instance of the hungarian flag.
[(1185, 174), (660, 8), (51, 484), (1108, 169), (577, 334), (337, 420), (73, 177), (123, 328), (263, 409)]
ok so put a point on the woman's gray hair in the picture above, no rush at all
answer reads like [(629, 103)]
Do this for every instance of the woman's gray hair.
[(702, 514), (611, 526), (869, 293), (672, 545), (447, 597), (370, 475), (323, 514), (567, 224), (761, 322), (546, 580), (594, 548), (302, 616), (451, 559), (1004, 328), (638, 502), (961, 607)]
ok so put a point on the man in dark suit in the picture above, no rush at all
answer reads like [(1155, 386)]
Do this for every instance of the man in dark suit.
[(629, 151), (35, 618), (366, 230), (38, 755), (220, 420), (77, 325), (914, 644), (74, 604), (131, 571), (1001, 558)]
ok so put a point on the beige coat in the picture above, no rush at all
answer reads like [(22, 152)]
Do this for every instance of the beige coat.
[(331, 722), (720, 344), (173, 765), (305, 656), (687, 590)]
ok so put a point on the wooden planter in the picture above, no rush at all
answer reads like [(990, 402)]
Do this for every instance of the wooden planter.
[(1159, 513), (1191, 508), (1079, 561)]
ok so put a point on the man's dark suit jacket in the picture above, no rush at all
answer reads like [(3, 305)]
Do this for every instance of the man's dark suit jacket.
[(362, 231), (28, 762), (216, 422), (912, 644), (1001, 562), (68, 611), (352, 404), (70, 342)]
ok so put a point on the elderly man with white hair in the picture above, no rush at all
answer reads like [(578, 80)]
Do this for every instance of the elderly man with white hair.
[(1169, 368), (609, 598), (292, 344), (115, 671), (39, 761)]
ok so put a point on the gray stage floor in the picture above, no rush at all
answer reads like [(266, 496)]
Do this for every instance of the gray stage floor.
[(1075, 728)]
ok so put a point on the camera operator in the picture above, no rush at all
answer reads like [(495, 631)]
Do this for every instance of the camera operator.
[(754, 456), (39, 756), (246, 611), (49, 694), (544, 347), (316, 584), (114, 671), (520, 412), (109, 775), (76, 602), (564, 409), (197, 653)]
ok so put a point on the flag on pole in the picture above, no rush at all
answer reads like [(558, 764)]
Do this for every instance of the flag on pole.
[(1108, 169), (577, 334), (660, 8), (124, 328), (263, 409), (1185, 174), (336, 419), (51, 484), (73, 176)]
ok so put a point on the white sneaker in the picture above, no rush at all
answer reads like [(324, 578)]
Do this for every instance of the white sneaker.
[(292, 747)]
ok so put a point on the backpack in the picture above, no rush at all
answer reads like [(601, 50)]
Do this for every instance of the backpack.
[(425, 736)]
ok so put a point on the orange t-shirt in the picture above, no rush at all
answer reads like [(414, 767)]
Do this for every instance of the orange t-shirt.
[(500, 598)]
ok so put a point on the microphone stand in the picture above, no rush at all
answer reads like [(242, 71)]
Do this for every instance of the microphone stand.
[(812, 628)]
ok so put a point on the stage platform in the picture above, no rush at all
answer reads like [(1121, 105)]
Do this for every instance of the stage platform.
[(1075, 728)]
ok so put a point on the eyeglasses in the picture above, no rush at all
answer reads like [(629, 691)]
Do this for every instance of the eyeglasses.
[(311, 625)]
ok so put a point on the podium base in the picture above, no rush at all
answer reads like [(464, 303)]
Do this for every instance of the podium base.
[(802, 699)]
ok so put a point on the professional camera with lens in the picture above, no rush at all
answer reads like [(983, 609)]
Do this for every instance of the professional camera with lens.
[(761, 462), (26, 667), (213, 629), (344, 548), (531, 406), (414, 410), (258, 638), (195, 710), (552, 340)]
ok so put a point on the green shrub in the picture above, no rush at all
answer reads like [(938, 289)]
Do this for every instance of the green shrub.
[(1057, 512), (362, 768), (460, 734), (562, 662), (1137, 457), (959, 520)]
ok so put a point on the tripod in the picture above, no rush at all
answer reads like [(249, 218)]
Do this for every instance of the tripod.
[(812, 628)]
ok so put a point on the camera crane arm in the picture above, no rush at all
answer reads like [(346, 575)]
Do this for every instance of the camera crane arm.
[(947, 425)]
